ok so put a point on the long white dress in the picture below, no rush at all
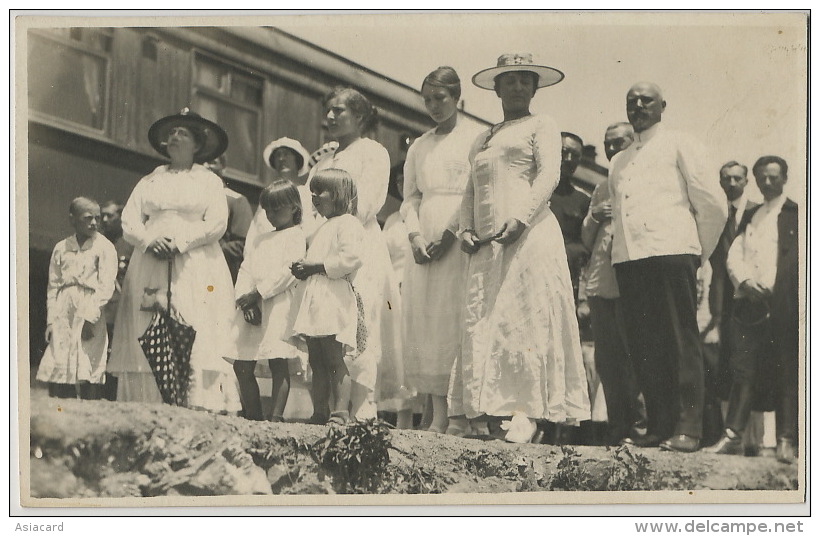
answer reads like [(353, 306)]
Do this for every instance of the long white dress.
[(80, 283), (379, 368), (266, 269), (435, 175), (325, 304), (521, 350), (189, 207)]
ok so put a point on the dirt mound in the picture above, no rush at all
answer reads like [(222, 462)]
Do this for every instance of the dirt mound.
[(104, 449)]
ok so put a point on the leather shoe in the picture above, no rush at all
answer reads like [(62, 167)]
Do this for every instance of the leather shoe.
[(786, 452), (644, 441), (681, 443), (726, 445)]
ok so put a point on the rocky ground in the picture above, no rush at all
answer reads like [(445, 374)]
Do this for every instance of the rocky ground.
[(103, 449)]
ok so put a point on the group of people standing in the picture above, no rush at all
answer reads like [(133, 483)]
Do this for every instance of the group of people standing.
[(484, 326)]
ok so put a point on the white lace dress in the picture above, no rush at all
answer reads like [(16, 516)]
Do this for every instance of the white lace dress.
[(521, 350)]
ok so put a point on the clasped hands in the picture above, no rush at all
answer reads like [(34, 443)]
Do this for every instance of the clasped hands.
[(424, 253), (301, 270), (163, 248), (508, 234)]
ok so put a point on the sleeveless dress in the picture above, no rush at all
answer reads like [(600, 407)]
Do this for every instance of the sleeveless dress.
[(521, 349), (190, 207)]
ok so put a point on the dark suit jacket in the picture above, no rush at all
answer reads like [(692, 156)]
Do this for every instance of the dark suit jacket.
[(785, 294), (721, 291)]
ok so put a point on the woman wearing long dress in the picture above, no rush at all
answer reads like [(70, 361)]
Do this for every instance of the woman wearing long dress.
[(521, 352), (377, 373), (435, 175), (174, 218)]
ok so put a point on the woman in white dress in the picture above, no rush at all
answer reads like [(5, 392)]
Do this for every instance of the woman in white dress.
[(435, 175), (378, 373), (177, 213), (521, 352)]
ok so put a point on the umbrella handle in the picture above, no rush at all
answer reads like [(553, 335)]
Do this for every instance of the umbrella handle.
[(170, 269)]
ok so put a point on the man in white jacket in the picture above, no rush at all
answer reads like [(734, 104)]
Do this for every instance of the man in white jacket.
[(668, 214)]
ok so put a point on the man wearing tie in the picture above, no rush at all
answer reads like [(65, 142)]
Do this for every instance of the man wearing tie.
[(763, 266), (733, 180)]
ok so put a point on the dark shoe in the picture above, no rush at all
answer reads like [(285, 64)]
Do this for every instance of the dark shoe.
[(644, 441), (786, 452), (317, 419), (727, 445), (681, 443)]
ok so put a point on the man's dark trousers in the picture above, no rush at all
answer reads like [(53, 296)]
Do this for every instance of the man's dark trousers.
[(659, 299)]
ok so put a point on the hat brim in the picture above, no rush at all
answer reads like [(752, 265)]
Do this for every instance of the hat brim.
[(215, 138), (547, 76), (287, 143)]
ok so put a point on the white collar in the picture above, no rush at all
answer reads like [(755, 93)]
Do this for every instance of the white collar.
[(775, 204), (740, 202)]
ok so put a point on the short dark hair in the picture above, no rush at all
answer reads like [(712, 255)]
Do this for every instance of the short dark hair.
[(447, 78), (341, 187), (358, 104), (572, 136), (534, 75), (733, 163), (115, 202), (764, 161), (282, 193)]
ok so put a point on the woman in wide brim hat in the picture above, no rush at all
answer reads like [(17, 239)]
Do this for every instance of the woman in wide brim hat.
[(547, 76), (211, 139), (175, 217), (521, 351)]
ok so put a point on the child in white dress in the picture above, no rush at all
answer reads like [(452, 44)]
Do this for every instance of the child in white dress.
[(264, 290), (327, 315), (81, 278)]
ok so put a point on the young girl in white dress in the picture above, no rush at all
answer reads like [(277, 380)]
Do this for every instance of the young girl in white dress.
[(327, 315), (264, 291), (81, 278)]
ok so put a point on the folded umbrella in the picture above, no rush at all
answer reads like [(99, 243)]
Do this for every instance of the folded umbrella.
[(167, 344)]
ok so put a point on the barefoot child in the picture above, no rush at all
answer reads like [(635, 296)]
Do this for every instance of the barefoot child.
[(81, 279), (327, 315), (264, 290)]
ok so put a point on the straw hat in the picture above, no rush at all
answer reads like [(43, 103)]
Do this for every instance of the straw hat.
[(214, 139), (302, 156), (547, 76)]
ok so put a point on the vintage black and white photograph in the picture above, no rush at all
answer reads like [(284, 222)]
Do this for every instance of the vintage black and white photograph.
[(411, 258)]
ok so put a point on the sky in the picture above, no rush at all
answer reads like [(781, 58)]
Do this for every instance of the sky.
[(736, 81)]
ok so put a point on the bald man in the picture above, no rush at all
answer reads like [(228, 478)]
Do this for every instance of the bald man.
[(667, 216)]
